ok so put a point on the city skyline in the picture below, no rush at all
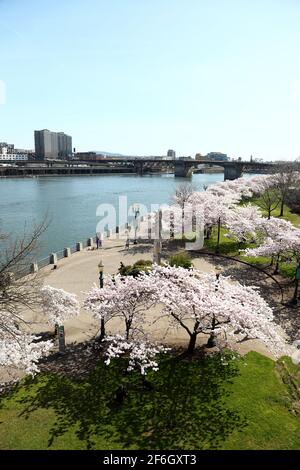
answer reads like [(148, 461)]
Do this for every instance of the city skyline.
[(136, 78)]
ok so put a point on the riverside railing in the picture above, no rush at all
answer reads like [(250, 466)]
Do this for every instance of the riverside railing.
[(53, 258)]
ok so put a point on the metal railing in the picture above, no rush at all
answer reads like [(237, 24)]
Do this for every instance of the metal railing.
[(43, 262), (59, 255)]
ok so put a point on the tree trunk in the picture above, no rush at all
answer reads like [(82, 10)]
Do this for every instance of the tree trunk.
[(128, 326), (218, 240), (281, 208), (102, 330), (192, 343), (276, 271), (211, 343)]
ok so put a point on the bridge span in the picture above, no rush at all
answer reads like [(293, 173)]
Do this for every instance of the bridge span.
[(140, 166), (184, 168)]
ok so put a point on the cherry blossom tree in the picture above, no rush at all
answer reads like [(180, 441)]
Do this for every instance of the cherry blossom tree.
[(285, 181), (124, 297), (182, 197), (216, 208), (284, 242), (59, 305), (198, 303), (20, 350), (99, 303), (183, 194), (243, 222)]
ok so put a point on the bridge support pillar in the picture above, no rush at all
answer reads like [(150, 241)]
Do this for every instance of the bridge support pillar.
[(183, 170), (232, 172), (139, 168)]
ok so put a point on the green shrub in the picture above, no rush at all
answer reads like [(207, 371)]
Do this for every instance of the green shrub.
[(134, 270), (181, 259)]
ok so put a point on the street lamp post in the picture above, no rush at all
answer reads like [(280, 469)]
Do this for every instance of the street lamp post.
[(136, 213), (294, 300), (102, 327), (158, 237), (100, 269), (135, 240), (211, 343)]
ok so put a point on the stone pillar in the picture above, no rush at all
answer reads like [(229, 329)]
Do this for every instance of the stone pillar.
[(79, 246), (67, 252), (139, 168), (182, 169), (117, 229), (53, 258), (232, 171), (61, 340), (34, 268), (90, 242)]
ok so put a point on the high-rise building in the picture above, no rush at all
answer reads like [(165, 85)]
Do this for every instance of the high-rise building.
[(52, 145), (171, 153)]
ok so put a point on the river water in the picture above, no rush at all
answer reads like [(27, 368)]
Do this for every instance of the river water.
[(71, 202)]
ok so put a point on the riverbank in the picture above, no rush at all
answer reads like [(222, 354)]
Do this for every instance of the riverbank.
[(38, 173)]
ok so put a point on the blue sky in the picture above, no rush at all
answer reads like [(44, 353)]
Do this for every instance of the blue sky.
[(141, 76)]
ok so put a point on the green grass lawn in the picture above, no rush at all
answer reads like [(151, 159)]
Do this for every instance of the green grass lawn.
[(213, 403), (287, 214), (229, 246)]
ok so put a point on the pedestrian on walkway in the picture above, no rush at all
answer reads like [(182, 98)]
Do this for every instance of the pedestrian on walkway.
[(97, 241)]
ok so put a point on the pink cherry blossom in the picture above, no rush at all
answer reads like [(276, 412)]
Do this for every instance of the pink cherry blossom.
[(59, 305)]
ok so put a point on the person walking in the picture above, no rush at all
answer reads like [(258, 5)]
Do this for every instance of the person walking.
[(127, 244), (97, 241)]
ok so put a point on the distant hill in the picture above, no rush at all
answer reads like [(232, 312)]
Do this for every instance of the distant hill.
[(109, 154)]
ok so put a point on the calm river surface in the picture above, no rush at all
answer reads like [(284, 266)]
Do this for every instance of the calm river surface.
[(71, 202)]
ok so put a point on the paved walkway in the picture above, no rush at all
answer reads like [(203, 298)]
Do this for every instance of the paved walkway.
[(78, 273)]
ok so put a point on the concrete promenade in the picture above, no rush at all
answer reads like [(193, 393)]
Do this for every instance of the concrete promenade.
[(78, 273)]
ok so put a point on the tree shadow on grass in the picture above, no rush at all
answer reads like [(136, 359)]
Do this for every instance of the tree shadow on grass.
[(183, 406)]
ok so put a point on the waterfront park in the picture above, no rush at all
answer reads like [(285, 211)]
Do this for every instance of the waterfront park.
[(179, 330)]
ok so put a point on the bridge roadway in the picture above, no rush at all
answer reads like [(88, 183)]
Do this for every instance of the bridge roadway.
[(181, 168)]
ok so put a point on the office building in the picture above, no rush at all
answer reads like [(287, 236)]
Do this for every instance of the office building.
[(52, 145), (9, 153), (218, 156), (171, 153)]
